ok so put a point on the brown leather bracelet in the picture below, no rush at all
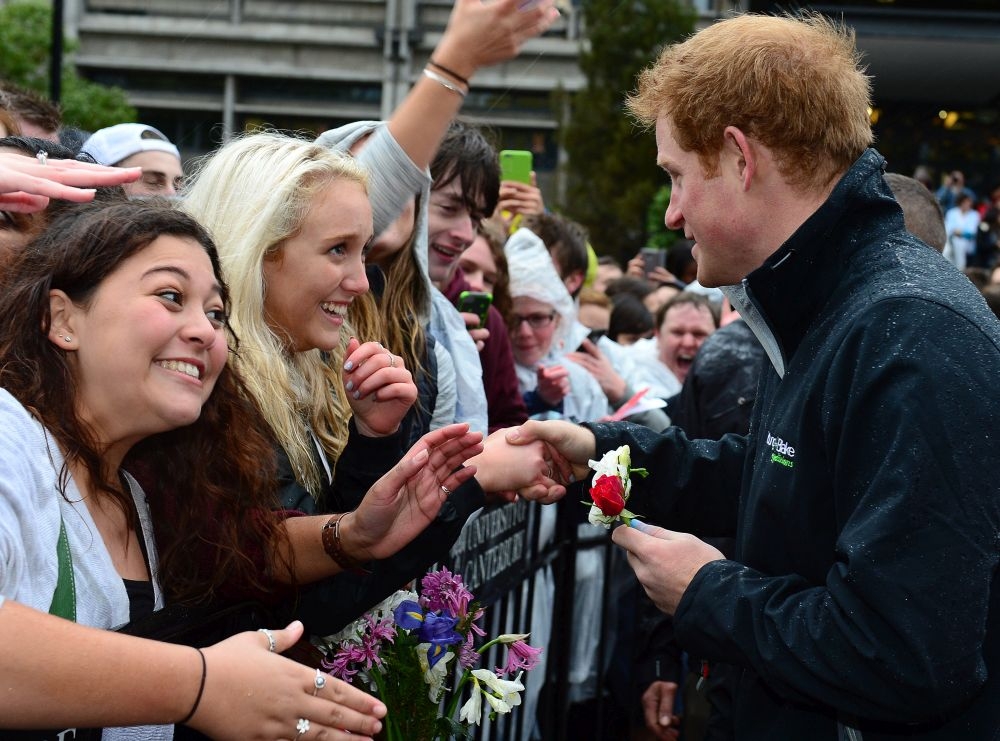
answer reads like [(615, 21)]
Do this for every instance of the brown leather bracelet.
[(334, 548)]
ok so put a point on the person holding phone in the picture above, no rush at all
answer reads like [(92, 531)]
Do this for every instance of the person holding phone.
[(519, 191)]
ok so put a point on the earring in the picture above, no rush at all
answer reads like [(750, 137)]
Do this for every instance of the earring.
[(67, 338)]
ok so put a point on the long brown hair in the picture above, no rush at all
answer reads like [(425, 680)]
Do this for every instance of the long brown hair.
[(213, 489)]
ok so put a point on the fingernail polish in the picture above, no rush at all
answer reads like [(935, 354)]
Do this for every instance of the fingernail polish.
[(356, 394), (349, 365), (349, 385)]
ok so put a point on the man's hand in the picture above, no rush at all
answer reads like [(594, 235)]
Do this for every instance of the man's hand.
[(664, 561), (570, 448), (658, 710), (597, 365)]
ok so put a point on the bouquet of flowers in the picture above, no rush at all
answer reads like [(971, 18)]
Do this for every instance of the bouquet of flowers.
[(611, 487), (408, 650)]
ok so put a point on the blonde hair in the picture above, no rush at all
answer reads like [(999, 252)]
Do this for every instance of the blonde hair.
[(253, 194), (794, 84)]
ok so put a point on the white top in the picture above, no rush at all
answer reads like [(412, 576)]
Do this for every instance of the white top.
[(31, 509)]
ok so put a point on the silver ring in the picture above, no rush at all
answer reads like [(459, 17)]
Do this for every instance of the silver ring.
[(549, 474), (319, 682), (302, 727), (271, 644), (392, 360), (42, 156), (446, 490)]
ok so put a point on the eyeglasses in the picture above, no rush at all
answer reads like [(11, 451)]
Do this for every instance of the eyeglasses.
[(535, 321)]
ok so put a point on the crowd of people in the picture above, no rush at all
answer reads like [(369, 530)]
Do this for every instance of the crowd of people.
[(251, 392)]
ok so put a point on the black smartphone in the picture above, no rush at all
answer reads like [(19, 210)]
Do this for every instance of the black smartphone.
[(475, 302), (652, 258)]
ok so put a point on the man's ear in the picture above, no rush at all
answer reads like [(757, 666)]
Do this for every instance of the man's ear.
[(62, 320), (573, 281), (740, 154)]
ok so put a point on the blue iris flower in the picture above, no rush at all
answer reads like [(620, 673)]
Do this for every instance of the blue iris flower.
[(437, 630)]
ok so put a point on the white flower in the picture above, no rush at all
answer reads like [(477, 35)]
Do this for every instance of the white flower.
[(503, 694), (513, 637), (436, 675), (596, 517), (472, 710)]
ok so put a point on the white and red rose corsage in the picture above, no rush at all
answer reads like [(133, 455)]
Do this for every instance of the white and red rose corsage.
[(612, 487)]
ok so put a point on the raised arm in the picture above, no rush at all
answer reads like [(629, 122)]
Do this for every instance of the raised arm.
[(478, 35)]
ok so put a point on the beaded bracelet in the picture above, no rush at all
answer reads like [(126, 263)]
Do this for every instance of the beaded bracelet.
[(444, 82)]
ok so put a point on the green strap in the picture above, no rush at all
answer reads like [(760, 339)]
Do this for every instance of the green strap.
[(64, 599)]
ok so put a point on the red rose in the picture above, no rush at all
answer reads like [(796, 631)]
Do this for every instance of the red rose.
[(608, 494)]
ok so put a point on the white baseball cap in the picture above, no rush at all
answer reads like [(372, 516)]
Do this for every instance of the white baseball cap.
[(113, 144)]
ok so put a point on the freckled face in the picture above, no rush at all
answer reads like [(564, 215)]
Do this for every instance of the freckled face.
[(707, 210), (313, 277)]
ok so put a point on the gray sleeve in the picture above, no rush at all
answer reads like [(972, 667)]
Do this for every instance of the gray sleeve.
[(447, 395), (393, 178)]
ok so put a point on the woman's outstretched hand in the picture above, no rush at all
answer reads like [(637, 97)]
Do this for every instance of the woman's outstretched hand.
[(251, 693), (407, 499), (26, 185)]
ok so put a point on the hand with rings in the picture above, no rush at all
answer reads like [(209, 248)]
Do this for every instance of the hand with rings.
[(252, 692), (27, 183), (378, 387), (401, 504)]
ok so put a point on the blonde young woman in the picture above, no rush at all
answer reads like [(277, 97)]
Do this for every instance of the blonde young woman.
[(292, 221)]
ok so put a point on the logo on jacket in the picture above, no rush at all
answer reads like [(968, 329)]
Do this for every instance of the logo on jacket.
[(781, 452)]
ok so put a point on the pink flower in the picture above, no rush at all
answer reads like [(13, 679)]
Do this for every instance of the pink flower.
[(468, 657), (341, 664), (445, 592), (520, 656)]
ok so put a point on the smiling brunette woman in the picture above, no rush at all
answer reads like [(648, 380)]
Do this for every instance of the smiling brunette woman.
[(113, 348)]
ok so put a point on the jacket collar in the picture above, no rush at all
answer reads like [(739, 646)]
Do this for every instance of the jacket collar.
[(781, 298)]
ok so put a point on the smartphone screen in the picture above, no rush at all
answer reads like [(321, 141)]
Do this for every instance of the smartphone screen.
[(475, 302), (516, 164)]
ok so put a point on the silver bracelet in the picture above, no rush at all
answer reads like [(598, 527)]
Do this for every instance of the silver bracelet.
[(444, 82)]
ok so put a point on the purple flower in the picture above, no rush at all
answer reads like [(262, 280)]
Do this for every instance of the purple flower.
[(341, 664), (444, 591), (439, 631), (468, 657), (520, 656)]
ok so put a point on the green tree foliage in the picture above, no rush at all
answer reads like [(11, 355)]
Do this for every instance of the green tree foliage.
[(25, 41), (612, 172)]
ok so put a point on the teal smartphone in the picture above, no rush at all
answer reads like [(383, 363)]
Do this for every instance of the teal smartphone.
[(475, 302), (516, 164)]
